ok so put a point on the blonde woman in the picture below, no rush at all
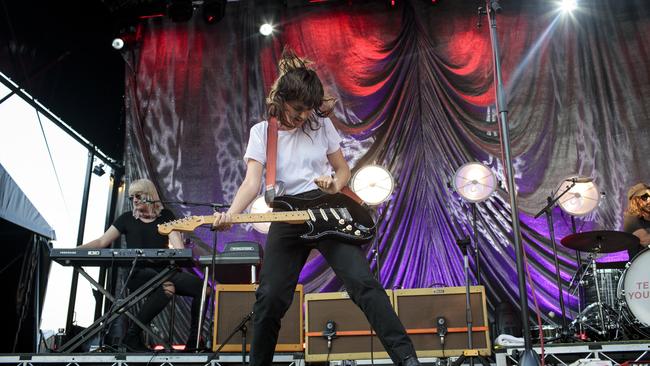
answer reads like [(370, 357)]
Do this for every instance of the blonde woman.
[(637, 216), (139, 226)]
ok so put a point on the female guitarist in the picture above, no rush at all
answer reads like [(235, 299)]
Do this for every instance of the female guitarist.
[(308, 149)]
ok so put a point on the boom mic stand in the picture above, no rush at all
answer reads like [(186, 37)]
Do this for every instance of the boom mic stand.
[(470, 353), (241, 327), (565, 334), (214, 206), (529, 357)]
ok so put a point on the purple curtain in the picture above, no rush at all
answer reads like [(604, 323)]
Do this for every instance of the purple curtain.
[(416, 94)]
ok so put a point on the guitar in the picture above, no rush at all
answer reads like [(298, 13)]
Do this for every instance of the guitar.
[(329, 216)]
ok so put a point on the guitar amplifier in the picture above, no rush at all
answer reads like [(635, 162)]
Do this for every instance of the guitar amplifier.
[(234, 302), (352, 340), (420, 309)]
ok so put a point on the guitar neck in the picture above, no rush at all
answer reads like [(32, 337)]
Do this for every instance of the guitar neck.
[(285, 216)]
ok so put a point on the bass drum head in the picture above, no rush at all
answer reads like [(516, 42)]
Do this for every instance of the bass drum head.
[(634, 292)]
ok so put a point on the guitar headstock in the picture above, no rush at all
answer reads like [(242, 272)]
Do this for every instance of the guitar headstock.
[(186, 224)]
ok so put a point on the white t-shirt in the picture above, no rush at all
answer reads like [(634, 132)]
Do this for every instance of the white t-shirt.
[(302, 156)]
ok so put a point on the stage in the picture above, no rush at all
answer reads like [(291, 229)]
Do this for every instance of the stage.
[(568, 353)]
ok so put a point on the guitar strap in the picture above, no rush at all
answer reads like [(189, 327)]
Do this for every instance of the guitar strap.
[(271, 158)]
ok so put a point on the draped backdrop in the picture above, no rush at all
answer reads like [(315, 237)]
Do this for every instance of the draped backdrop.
[(415, 90)]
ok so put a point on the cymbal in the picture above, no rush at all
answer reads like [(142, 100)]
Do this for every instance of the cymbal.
[(603, 241)]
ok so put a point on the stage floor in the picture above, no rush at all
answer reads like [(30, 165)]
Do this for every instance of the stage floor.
[(568, 353), (617, 353)]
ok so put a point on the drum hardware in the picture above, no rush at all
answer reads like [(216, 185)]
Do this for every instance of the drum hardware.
[(601, 317)]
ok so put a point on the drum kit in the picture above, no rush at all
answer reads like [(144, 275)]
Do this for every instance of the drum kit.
[(614, 299)]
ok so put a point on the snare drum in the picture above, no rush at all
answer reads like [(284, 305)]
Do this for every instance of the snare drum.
[(634, 293)]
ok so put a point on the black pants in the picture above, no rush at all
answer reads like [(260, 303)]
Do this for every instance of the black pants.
[(185, 284), (285, 255)]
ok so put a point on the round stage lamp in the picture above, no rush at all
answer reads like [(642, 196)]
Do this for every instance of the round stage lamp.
[(373, 184), (260, 206), (581, 199), (474, 182)]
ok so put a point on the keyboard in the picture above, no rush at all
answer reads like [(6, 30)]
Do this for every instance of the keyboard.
[(122, 256)]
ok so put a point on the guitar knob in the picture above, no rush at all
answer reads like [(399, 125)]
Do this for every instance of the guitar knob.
[(348, 228), (341, 221), (357, 232)]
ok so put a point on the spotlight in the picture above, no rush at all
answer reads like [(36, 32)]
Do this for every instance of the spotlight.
[(99, 170), (582, 196), (118, 43), (266, 29), (567, 6), (213, 10), (474, 182), (127, 37), (373, 184), (180, 10)]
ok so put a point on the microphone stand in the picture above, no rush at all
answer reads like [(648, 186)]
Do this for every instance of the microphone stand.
[(565, 334), (214, 206), (529, 357)]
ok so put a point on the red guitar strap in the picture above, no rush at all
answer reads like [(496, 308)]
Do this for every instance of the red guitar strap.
[(271, 159)]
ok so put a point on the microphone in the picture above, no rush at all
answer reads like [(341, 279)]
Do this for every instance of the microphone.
[(329, 333), (580, 180), (442, 329)]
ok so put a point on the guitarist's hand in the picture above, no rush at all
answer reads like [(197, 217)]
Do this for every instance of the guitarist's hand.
[(222, 221), (326, 184)]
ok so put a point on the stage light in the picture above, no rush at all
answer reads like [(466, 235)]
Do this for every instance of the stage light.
[(260, 206), (567, 6), (99, 170), (373, 184), (266, 29), (213, 10), (128, 37), (474, 182), (180, 10), (581, 198), (118, 43)]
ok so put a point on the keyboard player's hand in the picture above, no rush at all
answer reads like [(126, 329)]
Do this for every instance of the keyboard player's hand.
[(222, 221)]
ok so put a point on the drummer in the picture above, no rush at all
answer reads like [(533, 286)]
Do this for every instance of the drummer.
[(637, 216)]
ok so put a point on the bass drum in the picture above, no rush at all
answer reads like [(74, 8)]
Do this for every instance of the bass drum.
[(634, 294)]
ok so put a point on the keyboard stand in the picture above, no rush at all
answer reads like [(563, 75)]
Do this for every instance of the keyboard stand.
[(119, 306)]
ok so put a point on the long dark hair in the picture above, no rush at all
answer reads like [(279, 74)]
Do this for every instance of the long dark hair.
[(298, 82)]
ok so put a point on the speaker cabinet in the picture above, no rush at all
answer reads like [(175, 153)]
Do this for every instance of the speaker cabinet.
[(352, 341), (234, 302), (421, 309)]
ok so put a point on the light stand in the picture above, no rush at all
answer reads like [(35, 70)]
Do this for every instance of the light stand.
[(470, 352), (528, 357), (475, 183), (374, 184)]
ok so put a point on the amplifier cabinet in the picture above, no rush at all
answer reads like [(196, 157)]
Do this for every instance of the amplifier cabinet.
[(420, 309), (234, 302), (352, 341)]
